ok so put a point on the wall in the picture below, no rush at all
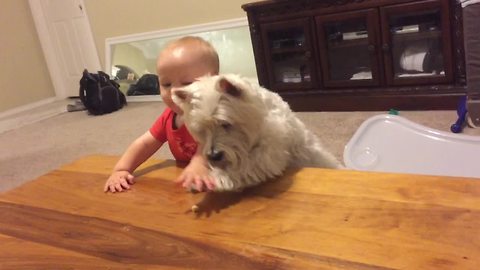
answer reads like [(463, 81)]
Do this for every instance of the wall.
[(111, 18), (24, 76)]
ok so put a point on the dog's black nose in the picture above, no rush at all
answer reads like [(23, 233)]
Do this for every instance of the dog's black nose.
[(215, 155)]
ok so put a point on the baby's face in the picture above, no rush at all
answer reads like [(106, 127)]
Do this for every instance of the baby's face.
[(178, 68)]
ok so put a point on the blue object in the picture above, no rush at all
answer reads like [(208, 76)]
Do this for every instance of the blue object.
[(462, 116)]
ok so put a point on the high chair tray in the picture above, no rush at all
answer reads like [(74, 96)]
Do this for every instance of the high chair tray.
[(391, 143)]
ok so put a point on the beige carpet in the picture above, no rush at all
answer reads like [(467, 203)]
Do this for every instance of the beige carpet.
[(35, 149)]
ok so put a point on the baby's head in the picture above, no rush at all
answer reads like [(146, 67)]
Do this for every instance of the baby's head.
[(181, 62)]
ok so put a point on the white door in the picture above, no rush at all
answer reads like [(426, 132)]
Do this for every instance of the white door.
[(67, 42)]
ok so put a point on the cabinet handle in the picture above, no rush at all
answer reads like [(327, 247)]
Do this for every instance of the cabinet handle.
[(385, 47), (371, 48)]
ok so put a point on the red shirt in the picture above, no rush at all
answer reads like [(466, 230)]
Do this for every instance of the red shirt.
[(181, 143)]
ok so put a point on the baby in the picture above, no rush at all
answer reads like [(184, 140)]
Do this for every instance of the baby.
[(179, 64)]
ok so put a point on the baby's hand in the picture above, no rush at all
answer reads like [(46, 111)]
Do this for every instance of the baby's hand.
[(196, 177), (119, 181)]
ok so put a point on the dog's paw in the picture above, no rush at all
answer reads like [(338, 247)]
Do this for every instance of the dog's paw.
[(198, 185)]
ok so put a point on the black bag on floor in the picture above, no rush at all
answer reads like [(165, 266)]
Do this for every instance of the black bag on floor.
[(146, 85), (99, 94)]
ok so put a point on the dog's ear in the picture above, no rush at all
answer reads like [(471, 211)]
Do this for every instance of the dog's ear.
[(225, 86), (182, 95)]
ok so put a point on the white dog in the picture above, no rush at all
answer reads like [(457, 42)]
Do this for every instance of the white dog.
[(248, 133)]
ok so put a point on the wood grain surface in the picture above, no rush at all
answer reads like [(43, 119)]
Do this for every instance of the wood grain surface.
[(308, 219)]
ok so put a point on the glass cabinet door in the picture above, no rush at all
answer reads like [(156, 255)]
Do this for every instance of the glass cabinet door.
[(416, 43), (289, 55), (348, 48)]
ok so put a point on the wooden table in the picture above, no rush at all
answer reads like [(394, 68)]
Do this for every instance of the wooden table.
[(309, 219)]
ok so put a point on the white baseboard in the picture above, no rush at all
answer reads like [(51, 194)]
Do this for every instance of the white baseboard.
[(46, 108), (31, 113), (27, 107)]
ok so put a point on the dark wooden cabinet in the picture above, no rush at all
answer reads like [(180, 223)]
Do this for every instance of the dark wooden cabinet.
[(347, 43), (290, 54), (432, 36), (360, 55)]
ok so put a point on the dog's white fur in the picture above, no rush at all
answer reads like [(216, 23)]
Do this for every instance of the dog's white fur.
[(248, 133)]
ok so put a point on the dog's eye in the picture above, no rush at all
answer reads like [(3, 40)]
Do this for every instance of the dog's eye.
[(226, 126)]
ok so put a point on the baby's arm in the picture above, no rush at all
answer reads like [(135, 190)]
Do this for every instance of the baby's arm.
[(139, 151), (196, 176)]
